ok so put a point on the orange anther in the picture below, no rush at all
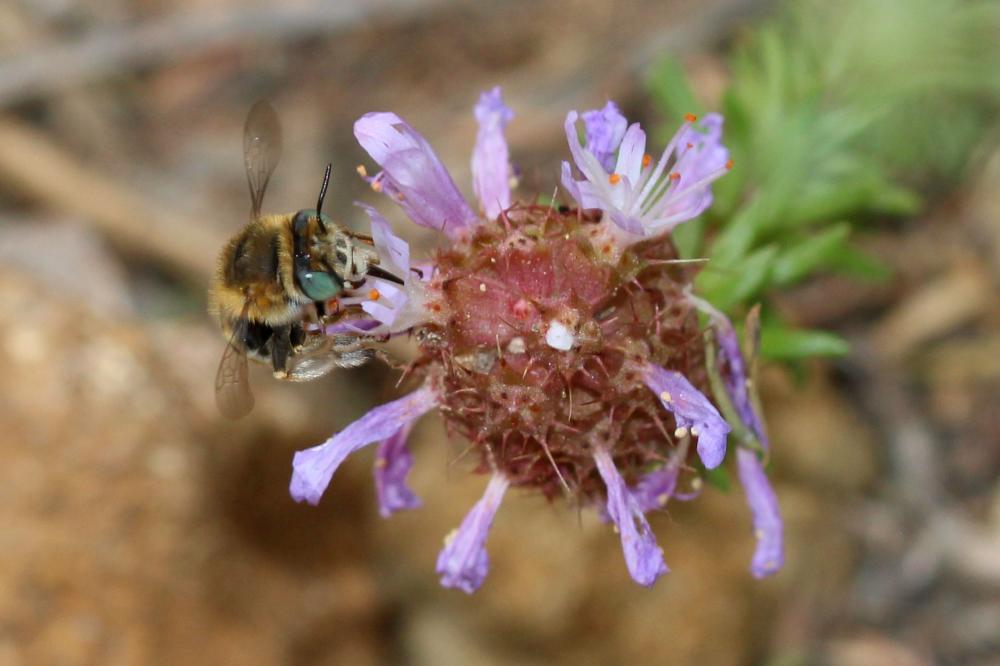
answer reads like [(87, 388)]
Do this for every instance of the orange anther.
[(729, 164), (690, 146), (614, 178), (377, 186), (362, 171), (675, 176), (690, 117), (646, 160), (374, 295)]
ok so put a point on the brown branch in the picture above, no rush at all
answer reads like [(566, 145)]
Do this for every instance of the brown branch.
[(61, 66), (32, 164)]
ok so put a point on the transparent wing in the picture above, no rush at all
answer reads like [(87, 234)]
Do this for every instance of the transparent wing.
[(232, 384), (261, 151)]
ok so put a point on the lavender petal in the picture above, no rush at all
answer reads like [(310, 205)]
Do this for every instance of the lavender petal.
[(490, 157), (313, 468), (656, 488), (734, 368), (691, 410), (768, 556), (463, 562), (413, 175), (604, 129), (393, 462), (643, 556)]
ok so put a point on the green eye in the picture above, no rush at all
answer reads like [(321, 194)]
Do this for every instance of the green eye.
[(320, 286)]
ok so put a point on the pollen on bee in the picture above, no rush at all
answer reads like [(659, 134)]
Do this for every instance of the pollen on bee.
[(647, 159), (374, 295), (690, 117), (482, 287), (614, 178)]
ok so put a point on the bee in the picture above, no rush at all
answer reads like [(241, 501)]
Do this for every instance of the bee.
[(278, 278)]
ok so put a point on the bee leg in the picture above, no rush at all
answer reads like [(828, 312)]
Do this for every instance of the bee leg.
[(351, 351), (281, 349), (297, 336), (256, 336), (356, 358)]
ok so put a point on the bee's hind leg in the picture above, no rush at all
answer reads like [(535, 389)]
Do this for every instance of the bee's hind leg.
[(352, 351)]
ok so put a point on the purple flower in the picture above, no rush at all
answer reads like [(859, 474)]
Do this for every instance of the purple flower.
[(643, 556), (658, 487), (692, 412), (395, 308), (604, 130), (642, 199), (413, 175), (463, 562), (393, 462), (734, 373), (490, 157), (313, 468), (514, 327), (769, 556)]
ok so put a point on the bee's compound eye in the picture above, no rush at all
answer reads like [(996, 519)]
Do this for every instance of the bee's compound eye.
[(320, 286)]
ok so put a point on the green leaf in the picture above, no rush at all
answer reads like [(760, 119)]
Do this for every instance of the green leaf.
[(689, 238), (726, 286), (805, 256), (857, 263), (785, 344), (670, 89)]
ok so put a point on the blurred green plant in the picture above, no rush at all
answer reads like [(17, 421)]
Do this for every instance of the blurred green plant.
[(838, 113)]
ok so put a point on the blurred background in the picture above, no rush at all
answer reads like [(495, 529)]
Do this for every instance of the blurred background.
[(136, 526)]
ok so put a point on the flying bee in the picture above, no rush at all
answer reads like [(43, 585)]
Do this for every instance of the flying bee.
[(277, 278)]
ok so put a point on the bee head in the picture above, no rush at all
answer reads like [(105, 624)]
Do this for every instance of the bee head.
[(319, 283)]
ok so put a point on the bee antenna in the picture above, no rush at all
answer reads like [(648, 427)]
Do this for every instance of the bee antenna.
[(322, 189)]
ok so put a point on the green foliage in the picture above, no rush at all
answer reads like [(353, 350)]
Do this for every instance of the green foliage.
[(838, 113)]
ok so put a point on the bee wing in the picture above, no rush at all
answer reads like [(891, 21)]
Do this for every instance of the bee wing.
[(261, 150), (232, 384)]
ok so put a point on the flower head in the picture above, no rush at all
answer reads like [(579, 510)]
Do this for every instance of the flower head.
[(571, 357)]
